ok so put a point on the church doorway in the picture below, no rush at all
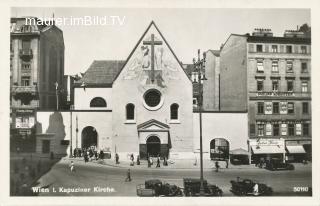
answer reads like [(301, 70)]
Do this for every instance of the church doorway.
[(89, 137), (153, 146), (219, 149)]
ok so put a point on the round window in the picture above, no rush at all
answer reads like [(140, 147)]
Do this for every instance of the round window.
[(152, 98)]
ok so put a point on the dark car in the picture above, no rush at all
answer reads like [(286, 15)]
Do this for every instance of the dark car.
[(246, 187), (156, 187), (192, 188), (279, 165)]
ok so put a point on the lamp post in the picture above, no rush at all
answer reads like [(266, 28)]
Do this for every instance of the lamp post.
[(57, 95), (77, 130), (199, 66)]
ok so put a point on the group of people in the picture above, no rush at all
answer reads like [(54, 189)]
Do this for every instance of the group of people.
[(88, 154), (150, 161)]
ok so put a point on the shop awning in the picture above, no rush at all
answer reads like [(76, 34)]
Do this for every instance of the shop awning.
[(297, 149), (272, 149)]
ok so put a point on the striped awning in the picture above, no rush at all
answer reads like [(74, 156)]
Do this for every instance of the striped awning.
[(297, 149)]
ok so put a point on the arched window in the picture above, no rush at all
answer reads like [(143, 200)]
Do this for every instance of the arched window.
[(174, 110), (98, 102), (130, 111)]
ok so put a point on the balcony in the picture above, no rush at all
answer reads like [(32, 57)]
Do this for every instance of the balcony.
[(26, 53), (24, 89)]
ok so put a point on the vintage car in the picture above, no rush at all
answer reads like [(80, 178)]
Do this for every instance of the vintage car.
[(279, 165), (192, 188), (155, 187), (247, 187)]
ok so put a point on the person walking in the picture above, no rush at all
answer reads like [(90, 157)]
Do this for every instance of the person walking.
[(117, 158), (138, 160), (227, 163), (128, 179), (72, 168), (158, 161), (217, 166)]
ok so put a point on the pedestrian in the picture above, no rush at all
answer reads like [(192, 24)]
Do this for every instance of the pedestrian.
[(217, 166), (151, 160), (72, 168), (227, 163), (128, 179), (149, 163), (165, 162), (138, 160), (96, 154), (256, 189), (158, 161), (117, 158)]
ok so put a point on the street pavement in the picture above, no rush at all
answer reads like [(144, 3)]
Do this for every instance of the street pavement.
[(94, 179)]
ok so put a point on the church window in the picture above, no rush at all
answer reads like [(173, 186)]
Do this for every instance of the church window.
[(98, 102), (130, 111), (174, 111), (152, 98)]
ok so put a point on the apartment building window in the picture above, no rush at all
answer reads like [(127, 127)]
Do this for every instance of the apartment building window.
[(290, 129), (259, 47), (268, 129), (289, 66), (268, 108), (274, 48), (26, 45), (283, 129), (290, 86), (260, 129), (275, 107), (275, 85), (305, 129), (305, 107), (276, 129), (303, 49), (260, 85), (275, 67), (26, 66), (304, 68), (289, 49), (298, 129), (260, 107), (260, 66), (304, 87), (194, 76), (290, 108), (25, 81)]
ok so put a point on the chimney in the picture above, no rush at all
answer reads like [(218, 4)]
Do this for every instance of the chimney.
[(262, 32), (293, 34)]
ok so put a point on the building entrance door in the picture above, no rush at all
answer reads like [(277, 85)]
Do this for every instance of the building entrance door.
[(153, 146), (89, 137)]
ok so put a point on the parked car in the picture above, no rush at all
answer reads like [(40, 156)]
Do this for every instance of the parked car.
[(155, 187), (246, 187), (192, 188), (278, 165)]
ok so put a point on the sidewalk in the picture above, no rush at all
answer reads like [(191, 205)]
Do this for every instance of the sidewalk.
[(187, 164)]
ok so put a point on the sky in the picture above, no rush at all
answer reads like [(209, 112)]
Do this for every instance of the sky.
[(186, 30)]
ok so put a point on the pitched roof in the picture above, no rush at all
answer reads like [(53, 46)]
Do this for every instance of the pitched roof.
[(215, 52), (101, 72)]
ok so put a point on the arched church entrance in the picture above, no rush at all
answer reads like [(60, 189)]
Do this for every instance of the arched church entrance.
[(153, 146), (219, 149), (89, 137)]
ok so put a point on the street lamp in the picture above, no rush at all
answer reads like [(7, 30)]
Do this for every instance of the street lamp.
[(199, 66)]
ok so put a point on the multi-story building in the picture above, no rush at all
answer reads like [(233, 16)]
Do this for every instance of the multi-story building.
[(36, 75), (270, 78)]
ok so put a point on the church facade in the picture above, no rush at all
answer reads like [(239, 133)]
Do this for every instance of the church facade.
[(141, 106)]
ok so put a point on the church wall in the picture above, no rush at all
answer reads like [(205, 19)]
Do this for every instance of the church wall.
[(82, 98), (130, 88), (59, 125), (230, 126)]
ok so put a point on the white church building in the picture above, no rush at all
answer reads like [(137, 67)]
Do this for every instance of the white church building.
[(140, 106)]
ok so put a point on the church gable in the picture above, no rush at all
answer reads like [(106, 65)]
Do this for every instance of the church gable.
[(152, 61), (153, 125)]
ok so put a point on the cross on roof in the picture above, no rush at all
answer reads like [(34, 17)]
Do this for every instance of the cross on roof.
[(152, 42)]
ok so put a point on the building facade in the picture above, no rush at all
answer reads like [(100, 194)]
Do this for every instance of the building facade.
[(36, 75), (270, 78)]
